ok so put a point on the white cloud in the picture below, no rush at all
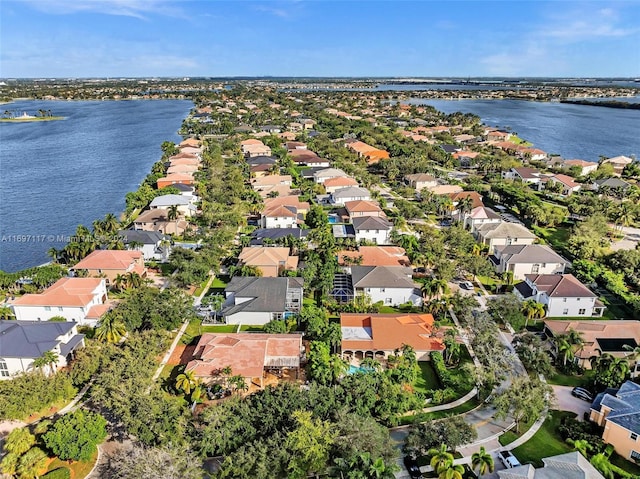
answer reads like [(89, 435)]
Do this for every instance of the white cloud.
[(128, 8), (575, 26)]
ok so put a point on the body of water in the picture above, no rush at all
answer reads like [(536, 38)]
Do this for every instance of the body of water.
[(56, 175), (573, 131)]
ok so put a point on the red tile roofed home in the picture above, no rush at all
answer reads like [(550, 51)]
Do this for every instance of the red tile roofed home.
[(476, 199), (175, 178), (585, 167), (247, 354), (181, 169), (379, 335), (497, 135), (183, 155), (184, 161), (272, 261), (190, 142), (291, 200), (375, 256), (111, 263), (333, 184), (566, 182), (76, 299), (371, 153), (359, 208)]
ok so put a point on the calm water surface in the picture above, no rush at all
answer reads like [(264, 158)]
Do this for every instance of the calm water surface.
[(573, 131), (59, 174)]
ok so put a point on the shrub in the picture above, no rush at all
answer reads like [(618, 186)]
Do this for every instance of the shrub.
[(59, 473)]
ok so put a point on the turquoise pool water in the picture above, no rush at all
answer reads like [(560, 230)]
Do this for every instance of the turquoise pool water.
[(357, 369)]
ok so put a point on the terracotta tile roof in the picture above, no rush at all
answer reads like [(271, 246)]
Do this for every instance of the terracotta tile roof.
[(183, 155), (184, 161), (290, 200), (482, 212), (566, 180), (268, 256), (377, 256), (340, 181), (251, 141), (386, 332), (178, 169), (246, 353), (474, 195), (190, 142), (109, 260), (280, 211), (361, 206), (70, 292)]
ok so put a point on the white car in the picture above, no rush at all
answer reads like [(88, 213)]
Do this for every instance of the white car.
[(508, 459), (467, 285)]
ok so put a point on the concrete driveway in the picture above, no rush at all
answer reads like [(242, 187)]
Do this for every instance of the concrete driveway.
[(566, 402)]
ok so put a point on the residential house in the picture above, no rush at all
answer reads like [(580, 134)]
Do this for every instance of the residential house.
[(372, 154), (256, 301), (585, 167), (334, 184), (320, 176), (265, 236), (419, 181), (190, 150), (374, 256), (175, 178), (613, 337), (182, 169), (154, 245), (350, 193), (498, 135), (183, 204), (473, 197), (567, 183), (372, 229), (83, 300), (524, 174), (271, 129), (249, 355), (361, 208), (308, 158), (271, 261), (562, 294), (255, 149), (380, 335), (527, 259), (192, 142), (108, 264), (158, 220), (503, 234), (465, 139), (618, 163), (618, 412), (466, 158), (610, 184), (531, 154), (480, 216), (22, 342), (272, 184), (445, 189), (390, 285), (261, 165), (190, 160), (572, 465)]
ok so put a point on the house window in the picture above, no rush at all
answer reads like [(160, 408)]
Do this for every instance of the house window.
[(577, 299), (564, 300), (388, 301), (60, 308), (382, 290), (535, 268), (582, 311), (47, 308), (635, 455), (4, 369), (633, 436), (565, 311)]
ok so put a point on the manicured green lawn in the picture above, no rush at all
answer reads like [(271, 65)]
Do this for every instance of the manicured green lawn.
[(428, 379), (546, 442), (79, 469), (223, 328), (561, 379), (218, 283), (556, 237), (251, 328)]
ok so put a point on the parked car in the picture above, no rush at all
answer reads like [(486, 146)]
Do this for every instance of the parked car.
[(412, 467), (467, 285), (582, 393), (508, 459)]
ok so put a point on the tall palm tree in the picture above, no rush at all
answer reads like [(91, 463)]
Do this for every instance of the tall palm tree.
[(32, 463), (110, 329), (186, 382), (532, 310), (580, 445), (452, 471), (440, 458), (482, 461), (173, 214)]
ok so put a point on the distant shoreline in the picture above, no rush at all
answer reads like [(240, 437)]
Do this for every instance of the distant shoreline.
[(32, 119)]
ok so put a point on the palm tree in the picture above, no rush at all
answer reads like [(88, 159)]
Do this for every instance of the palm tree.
[(6, 313), (50, 359), (32, 463), (110, 329), (110, 224), (440, 458), (370, 363), (565, 349), (120, 282), (580, 445), (19, 441), (482, 461), (532, 309), (173, 214), (452, 346), (452, 471), (603, 465), (134, 280), (186, 382)]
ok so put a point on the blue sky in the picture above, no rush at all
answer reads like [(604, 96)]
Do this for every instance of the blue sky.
[(98, 38)]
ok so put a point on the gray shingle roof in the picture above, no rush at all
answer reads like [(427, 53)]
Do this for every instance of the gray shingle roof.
[(531, 253), (504, 230), (625, 406), (269, 294), (29, 339), (169, 200), (139, 236), (571, 465), (381, 277), (371, 223), (351, 192)]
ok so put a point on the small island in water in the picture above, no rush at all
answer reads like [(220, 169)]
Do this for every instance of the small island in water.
[(42, 115)]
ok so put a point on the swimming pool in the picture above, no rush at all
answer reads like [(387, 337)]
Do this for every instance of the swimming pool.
[(358, 369)]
